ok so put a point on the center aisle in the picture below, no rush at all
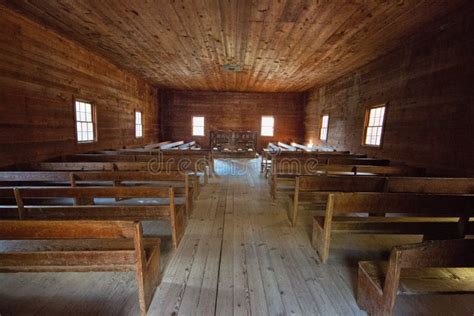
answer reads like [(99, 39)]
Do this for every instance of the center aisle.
[(240, 256)]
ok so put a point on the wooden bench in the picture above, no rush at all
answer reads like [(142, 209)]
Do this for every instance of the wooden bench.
[(166, 154), (153, 166), (285, 174), (430, 215), (73, 203), (434, 267), (315, 189), (271, 157), (184, 184), (111, 246)]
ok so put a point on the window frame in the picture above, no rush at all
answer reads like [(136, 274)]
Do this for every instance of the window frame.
[(262, 126), (135, 123), (321, 126), (368, 109), (94, 121), (203, 126)]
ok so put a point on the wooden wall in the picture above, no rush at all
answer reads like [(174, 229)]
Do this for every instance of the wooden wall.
[(232, 111), (429, 85), (41, 73)]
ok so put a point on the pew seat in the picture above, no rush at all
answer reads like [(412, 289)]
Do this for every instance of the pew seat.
[(117, 246), (434, 267), (418, 281), (435, 216), (443, 226)]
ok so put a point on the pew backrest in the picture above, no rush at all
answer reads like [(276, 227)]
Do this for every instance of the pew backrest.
[(431, 205), (30, 230)]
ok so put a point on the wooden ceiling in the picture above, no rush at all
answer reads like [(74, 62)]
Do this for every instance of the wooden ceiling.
[(281, 45)]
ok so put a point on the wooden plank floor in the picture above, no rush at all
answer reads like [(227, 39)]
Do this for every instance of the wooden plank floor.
[(239, 256)]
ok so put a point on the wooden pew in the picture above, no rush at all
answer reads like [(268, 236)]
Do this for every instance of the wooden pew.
[(186, 185), (287, 147), (183, 184), (172, 145), (111, 246), (15, 178), (153, 166), (186, 146), (430, 215), (286, 174), (357, 161), (155, 145), (302, 147), (315, 189), (270, 157), (200, 156), (51, 203), (434, 267)]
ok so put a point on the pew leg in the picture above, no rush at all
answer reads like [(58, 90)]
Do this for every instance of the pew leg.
[(177, 225), (148, 280), (320, 242), (206, 176), (294, 216)]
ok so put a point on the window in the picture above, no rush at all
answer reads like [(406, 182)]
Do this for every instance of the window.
[(198, 125), (323, 133), (85, 122), (374, 120), (267, 125), (138, 124)]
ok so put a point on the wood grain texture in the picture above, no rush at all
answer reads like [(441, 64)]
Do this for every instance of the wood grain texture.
[(428, 85), (280, 45), (41, 73), (232, 111)]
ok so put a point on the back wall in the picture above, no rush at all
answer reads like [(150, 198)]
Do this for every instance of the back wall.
[(231, 111)]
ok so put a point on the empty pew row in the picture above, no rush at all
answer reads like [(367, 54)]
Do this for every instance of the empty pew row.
[(315, 189), (268, 154), (108, 246), (95, 203), (184, 184), (153, 167), (433, 267), (161, 145), (287, 175), (203, 156), (434, 216)]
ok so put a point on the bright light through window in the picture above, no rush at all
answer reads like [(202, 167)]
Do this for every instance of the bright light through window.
[(267, 125), (198, 125), (138, 124), (84, 122), (323, 133), (374, 126)]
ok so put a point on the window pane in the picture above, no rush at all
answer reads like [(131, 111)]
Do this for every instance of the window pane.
[(323, 134), (88, 117), (198, 131), (138, 117), (138, 130), (84, 121), (372, 118), (325, 121), (267, 131), (374, 127), (198, 121), (268, 121)]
